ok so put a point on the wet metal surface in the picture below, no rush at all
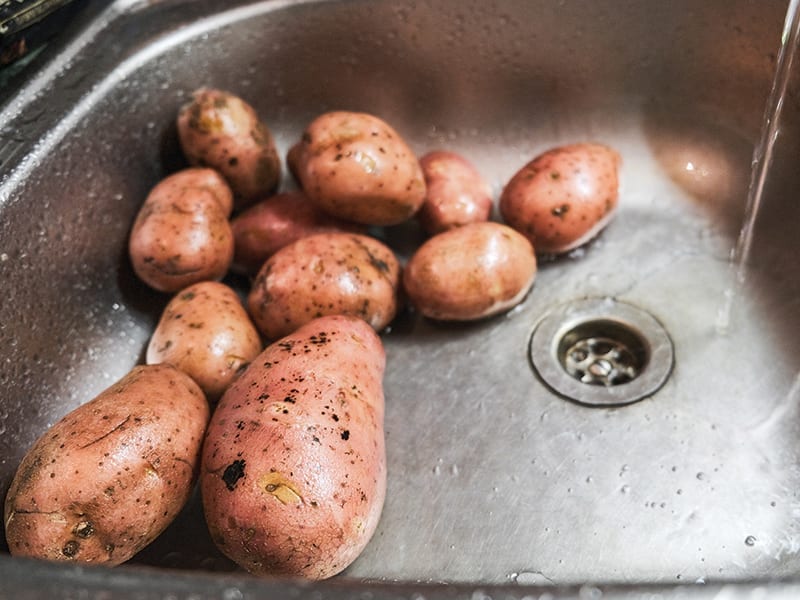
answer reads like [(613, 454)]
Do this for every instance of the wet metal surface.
[(493, 478)]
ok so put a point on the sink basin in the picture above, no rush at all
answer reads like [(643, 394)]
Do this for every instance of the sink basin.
[(496, 481)]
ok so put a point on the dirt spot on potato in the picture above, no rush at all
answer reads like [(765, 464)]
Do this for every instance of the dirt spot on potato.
[(233, 473)]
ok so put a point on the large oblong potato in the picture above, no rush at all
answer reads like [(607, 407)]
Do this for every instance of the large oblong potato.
[(206, 333), (220, 130), (181, 234), (104, 481), (470, 272), (357, 167), (325, 274), (564, 197), (293, 473)]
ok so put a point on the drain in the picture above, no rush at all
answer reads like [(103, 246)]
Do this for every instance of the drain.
[(601, 352)]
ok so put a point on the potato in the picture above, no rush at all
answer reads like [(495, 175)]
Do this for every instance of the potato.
[(564, 197), (220, 130), (105, 480), (205, 332), (325, 274), (182, 234), (271, 224), (470, 272), (356, 167), (293, 473), (456, 193)]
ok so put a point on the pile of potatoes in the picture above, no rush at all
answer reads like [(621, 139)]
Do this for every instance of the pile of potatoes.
[(286, 440)]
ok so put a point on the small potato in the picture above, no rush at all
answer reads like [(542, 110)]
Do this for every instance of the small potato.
[(470, 272), (325, 274), (564, 197), (456, 193), (356, 167), (220, 130), (266, 227), (205, 332), (293, 474), (105, 480), (181, 234)]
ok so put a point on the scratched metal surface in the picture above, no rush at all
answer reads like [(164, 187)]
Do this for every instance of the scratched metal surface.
[(493, 479)]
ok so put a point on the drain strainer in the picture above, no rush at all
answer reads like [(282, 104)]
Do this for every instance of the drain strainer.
[(601, 352)]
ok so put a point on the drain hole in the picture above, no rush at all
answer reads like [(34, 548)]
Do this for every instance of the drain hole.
[(602, 352)]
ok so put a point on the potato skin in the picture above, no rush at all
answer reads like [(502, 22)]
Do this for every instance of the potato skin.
[(293, 474), (470, 272), (269, 225), (205, 332), (456, 193), (105, 480), (220, 130), (181, 234), (325, 274), (564, 197), (356, 167)]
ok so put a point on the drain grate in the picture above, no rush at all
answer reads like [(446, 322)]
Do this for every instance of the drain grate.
[(600, 361), (601, 352)]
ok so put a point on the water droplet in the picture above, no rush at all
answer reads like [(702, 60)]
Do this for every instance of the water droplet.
[(589, 479), (454, 470), (624, 469), (750, 540), (3, 257), (701, 476), (679, 491), (232, 594), (625, 489), (529, 578), (437, 470)]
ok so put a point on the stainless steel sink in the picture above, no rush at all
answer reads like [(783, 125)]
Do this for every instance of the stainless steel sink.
[(498, 485)]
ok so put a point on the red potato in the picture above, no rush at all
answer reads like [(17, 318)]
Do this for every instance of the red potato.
[(564, 197), (105, 480), (456, 193), (271, 224), (356, 167), (293, 474), (181, 234), (325, 274), (470, 272), (220, 130), (205, 332)]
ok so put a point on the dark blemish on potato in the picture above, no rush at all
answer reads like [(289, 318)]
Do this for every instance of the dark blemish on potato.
[(346, 434), (84, 529), (187, 296), (335, 417), (555, 175), (233, 161), (70, 549), (560, 211), (233, 473)]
